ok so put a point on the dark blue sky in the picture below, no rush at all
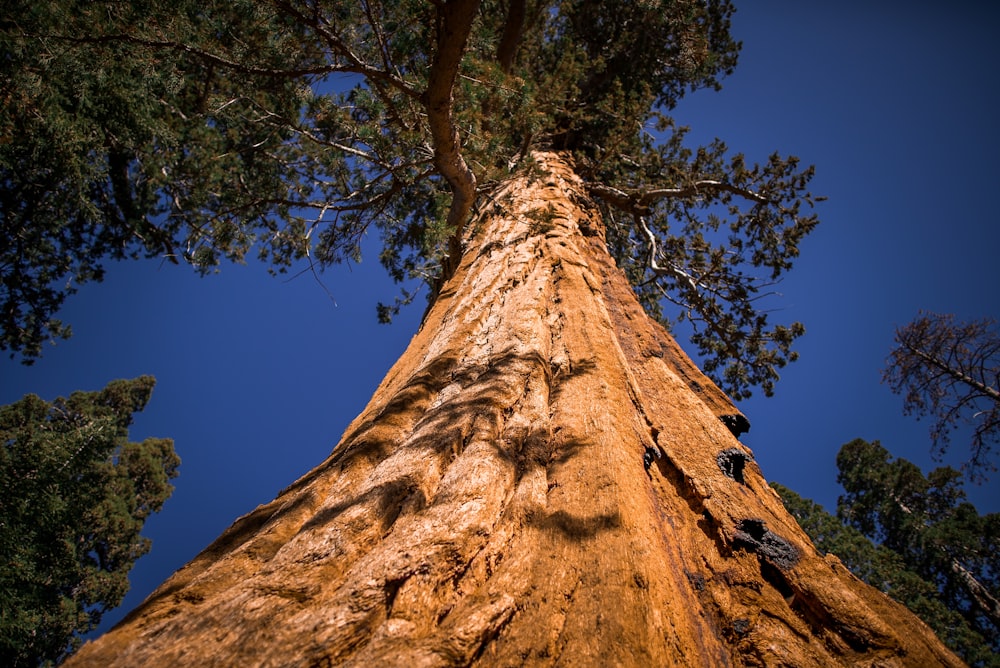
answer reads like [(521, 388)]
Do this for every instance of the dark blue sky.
[(895, 103)]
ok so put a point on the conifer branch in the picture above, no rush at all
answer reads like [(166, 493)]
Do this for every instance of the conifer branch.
[(455, 24), (955, 372), (650, 196), (672, 270), (639, 202), (511, 38), (356, 65)]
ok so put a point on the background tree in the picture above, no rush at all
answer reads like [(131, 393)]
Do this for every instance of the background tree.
[(928, 521), (889, 571), (950, 371), (74, 495), (212, 130)]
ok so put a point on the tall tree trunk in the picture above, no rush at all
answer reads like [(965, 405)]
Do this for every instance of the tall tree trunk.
[(542, 478)]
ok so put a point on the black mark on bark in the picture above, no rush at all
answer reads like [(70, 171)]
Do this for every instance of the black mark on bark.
[(753, 535)]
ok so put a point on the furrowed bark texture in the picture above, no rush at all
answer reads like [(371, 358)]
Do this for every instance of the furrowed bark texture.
[(492, 505)]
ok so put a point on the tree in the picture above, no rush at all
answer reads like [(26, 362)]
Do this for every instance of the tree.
[(543, 476), (210, 130), (950, 371), (929, 522), (74, 495), (887, 570)]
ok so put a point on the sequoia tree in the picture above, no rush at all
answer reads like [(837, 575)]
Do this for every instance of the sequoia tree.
[(543, 477)]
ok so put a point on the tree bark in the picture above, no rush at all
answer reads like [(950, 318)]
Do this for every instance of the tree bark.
[(543, 478)]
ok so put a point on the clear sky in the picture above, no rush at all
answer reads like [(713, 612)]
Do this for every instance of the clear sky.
[(896, 105)]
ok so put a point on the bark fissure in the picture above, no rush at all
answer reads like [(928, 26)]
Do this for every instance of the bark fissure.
[(491, 507)]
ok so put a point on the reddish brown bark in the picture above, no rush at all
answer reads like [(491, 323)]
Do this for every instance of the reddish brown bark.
[(491, 505)]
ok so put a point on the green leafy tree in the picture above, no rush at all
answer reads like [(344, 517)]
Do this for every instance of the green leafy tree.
[(950, 371), (917, 539), (74, 494), (204, 131)]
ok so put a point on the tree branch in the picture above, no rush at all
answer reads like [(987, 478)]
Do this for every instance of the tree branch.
[(356, 65), (981, 597), (455, 24), (640, 201), (338, 45), (672, 270), (986, 390), (651, 196), (986, 603), (511, 37)]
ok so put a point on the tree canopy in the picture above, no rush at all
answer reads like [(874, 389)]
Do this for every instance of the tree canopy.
[(918, 539), (207, 131), (950, 371), (889, 572), (927, 520), (74, 495)]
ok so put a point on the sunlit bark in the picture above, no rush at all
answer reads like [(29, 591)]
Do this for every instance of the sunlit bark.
[(542, 478)]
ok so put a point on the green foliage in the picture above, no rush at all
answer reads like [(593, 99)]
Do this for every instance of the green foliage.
[(950, 371), (713, 246), (202, 131), (598, 67), (929, 522), (74, 494), (917, 539), (112, 149)]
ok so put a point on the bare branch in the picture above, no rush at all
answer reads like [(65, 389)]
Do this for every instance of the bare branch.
[(639, 202), (954, 372), (615, 197), (672, 270), (650, 196)]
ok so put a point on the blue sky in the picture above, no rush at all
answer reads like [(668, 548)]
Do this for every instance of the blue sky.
[(895, 104)]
